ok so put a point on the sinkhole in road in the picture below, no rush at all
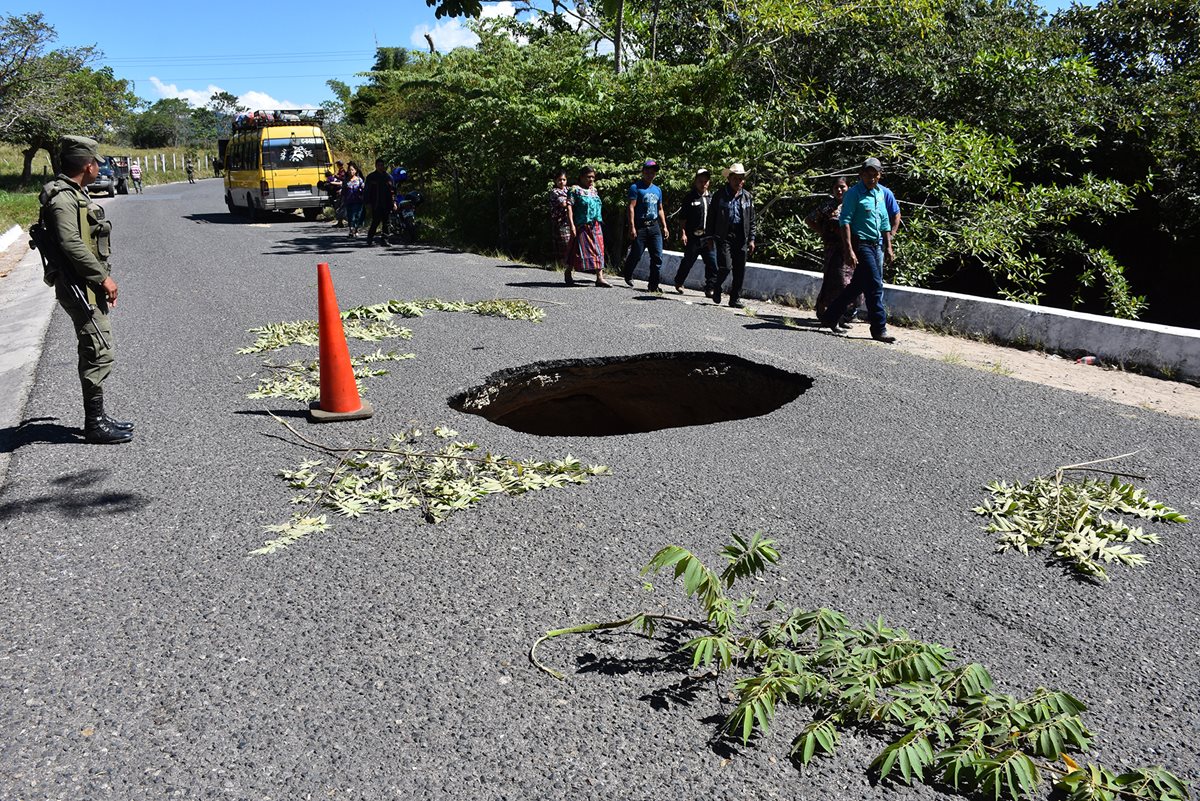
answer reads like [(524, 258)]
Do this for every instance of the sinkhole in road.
[(612, 395)]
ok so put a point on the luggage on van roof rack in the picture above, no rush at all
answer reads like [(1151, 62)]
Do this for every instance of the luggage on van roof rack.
[(282, 116)]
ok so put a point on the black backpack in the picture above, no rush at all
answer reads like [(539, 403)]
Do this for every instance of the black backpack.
[(45, 243)]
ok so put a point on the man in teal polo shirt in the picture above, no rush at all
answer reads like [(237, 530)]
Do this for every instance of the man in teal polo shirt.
[(866, 233)]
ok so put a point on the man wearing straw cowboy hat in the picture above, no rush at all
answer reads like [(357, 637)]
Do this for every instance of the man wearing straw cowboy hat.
[(732, 225)]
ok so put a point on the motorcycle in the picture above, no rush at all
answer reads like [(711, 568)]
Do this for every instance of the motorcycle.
[(404, 218)]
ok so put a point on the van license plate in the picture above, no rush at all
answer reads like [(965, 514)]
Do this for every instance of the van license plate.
[(300, 189)]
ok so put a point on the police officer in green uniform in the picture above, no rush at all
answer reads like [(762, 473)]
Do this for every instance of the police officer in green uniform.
[(77, 226)]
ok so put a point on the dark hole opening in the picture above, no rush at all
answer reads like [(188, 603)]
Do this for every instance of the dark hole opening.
[(630, 394)]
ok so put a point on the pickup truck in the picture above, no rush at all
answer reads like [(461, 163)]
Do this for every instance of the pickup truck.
[(105, 182), (120, 172)]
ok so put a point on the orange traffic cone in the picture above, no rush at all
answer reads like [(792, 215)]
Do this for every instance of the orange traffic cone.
[(339, 393)]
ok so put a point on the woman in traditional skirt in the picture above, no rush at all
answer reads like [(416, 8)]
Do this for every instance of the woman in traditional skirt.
[(560, 220), (587, 233), (353, 189), (824, 220)]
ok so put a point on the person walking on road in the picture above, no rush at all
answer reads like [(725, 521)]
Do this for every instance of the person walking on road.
[(78, 269), (586, 218), (135, 174), (867, 239), (339, 203), (352, 195), (381, 200), (191, 171), (732, 224), (696, 241), (647, 225), (560, 220), (837, 270)]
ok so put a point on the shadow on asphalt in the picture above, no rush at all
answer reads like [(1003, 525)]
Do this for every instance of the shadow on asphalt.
[(777, 321), (550, 284), (37, 429), (334, 241), (72, 495), (682, 693), (229, 218), (219, 218)]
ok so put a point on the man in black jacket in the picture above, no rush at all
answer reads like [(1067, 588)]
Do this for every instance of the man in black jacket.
[(731, 223), (696, 242), (381, 200)]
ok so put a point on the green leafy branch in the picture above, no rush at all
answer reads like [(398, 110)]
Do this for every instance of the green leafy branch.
[(401, 476), (373, 323), (1068, 519), (508, 308), (301, 380), (943, 722), (275, 336)]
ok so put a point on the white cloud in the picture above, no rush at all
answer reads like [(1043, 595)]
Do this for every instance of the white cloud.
[(452, 33), (199, 97), (255, 100), (446, 36), (194, 97), (501, 9)]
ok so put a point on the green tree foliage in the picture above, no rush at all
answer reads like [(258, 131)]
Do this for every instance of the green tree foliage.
[(224, 106), (172, 122), (45, 94), (456, 8), (1146, 58), (984, 113)]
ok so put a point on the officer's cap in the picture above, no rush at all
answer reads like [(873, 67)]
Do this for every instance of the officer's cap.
[(79, 146)]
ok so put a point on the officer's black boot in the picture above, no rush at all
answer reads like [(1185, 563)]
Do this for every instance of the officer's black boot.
[(97, 427), (120, 425)]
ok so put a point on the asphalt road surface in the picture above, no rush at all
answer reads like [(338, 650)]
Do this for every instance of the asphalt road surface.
[(144, 655)]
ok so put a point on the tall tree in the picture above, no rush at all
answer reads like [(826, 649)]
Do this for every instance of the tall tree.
[(167, 122), (86, 101), (224, 106), (27, 76)]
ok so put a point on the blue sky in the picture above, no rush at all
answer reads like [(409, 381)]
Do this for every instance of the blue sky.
[(279, 56)]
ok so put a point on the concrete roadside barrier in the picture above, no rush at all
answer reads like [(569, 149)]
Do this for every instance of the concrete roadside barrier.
[(1168, 350), (10, 236)]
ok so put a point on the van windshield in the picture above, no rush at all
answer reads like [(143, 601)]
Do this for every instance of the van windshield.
[(290, 154)]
